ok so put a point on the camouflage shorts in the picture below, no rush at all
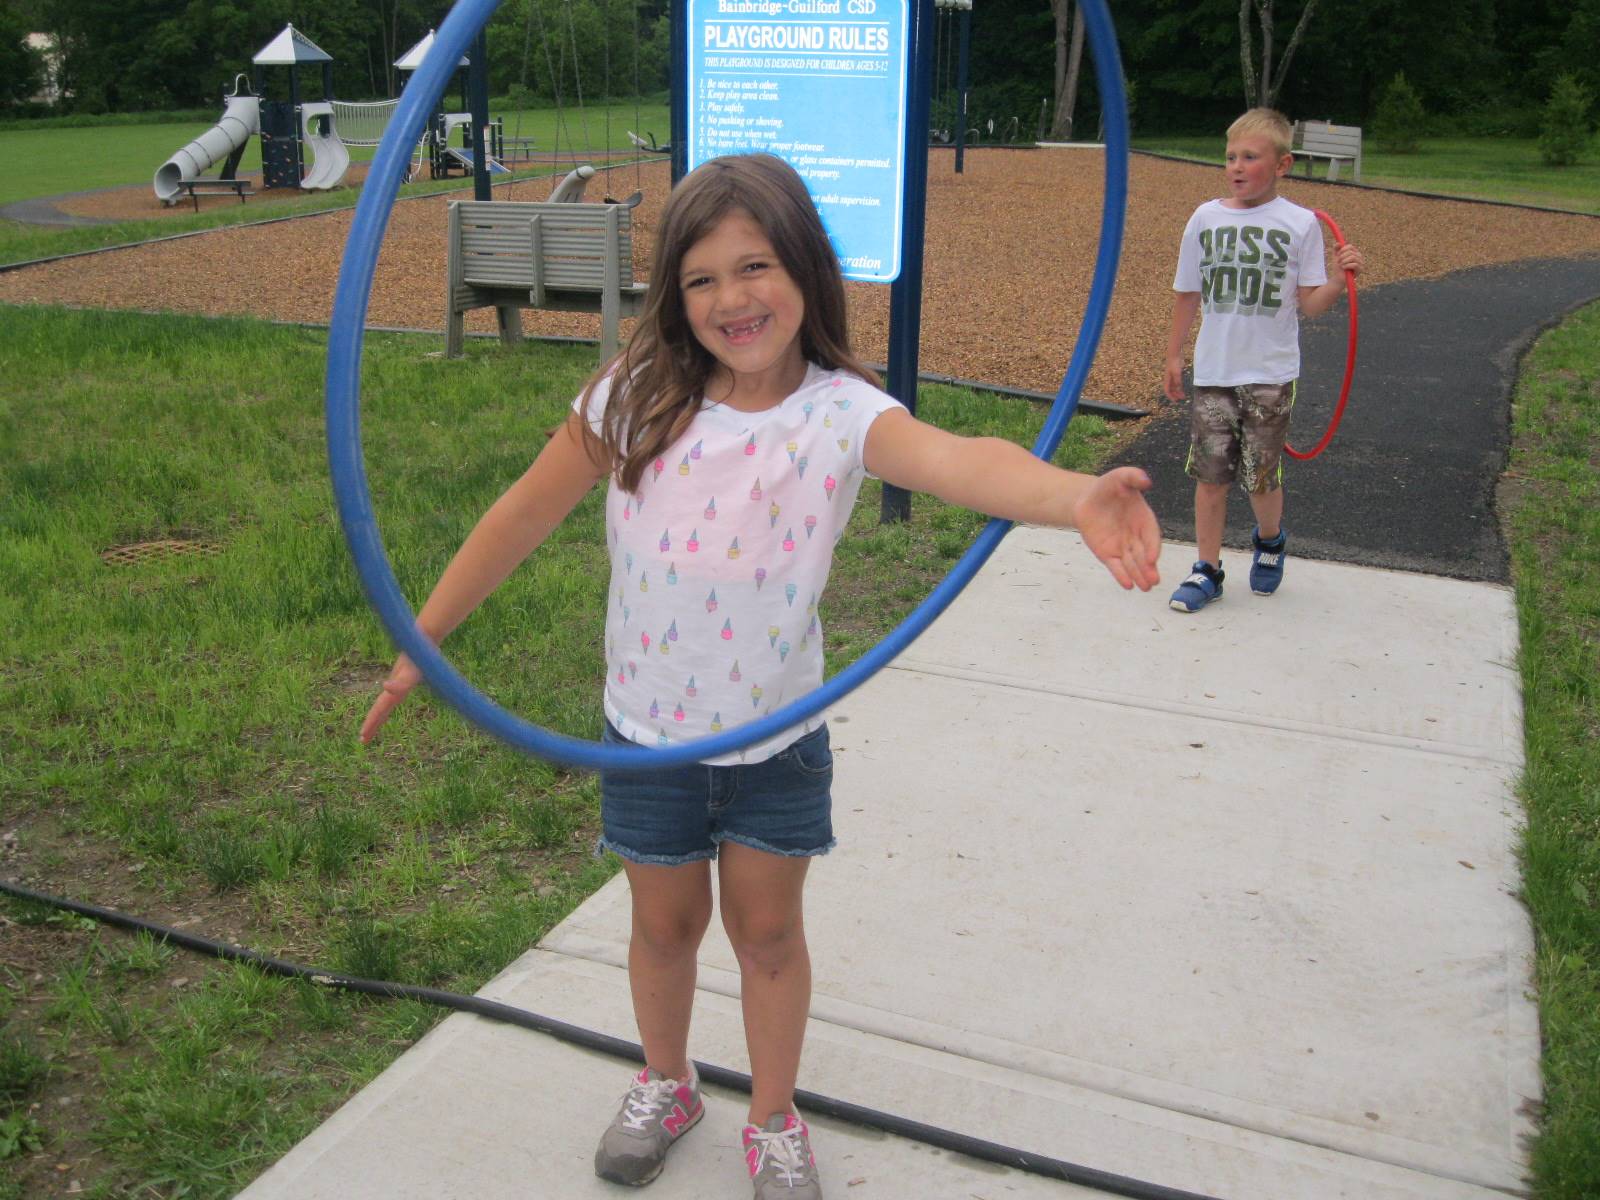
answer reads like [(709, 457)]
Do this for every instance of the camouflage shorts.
[(1237, 433)]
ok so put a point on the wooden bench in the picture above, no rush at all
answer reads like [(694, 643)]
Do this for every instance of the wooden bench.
[(557, 255), (240, 187), (1337, 144)]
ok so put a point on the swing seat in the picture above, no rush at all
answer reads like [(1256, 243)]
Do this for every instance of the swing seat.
[(556, 256)]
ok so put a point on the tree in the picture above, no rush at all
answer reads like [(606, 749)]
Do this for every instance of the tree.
[(1397, 125), (20, 68), (1564, 134), (1261, 89), (1069, 58)]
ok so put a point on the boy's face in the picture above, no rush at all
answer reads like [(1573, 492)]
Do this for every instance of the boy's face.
[(1253, 169)]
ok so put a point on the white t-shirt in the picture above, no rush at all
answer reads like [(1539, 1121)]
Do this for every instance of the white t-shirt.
[(1248, 265), (719, 561)]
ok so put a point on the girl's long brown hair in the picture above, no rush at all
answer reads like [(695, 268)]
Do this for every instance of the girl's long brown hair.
[(659, 377)]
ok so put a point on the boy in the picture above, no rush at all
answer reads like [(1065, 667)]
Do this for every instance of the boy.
[(1254, 262)]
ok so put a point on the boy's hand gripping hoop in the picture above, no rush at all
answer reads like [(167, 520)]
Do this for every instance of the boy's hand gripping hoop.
[(1349, 357), (346, 465)]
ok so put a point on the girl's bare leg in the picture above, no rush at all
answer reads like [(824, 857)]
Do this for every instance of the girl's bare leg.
[(761, 910), (671, 910)]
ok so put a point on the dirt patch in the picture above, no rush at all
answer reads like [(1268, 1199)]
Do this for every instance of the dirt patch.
[(1011, 246)]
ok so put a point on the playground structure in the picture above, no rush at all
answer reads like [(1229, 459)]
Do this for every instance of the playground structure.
[(288, 129)]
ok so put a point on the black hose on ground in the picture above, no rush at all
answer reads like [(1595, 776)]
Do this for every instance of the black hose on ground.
[(843, 1110)]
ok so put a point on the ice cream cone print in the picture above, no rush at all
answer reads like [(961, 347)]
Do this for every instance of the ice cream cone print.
[(812, 628), (783, 651), (694, 451), (711, 601), (827, 421), (733, 549), (733, 675), (627, 562), (761, 577), (711, 510), (633, 670), (666, 541), (644, 640), (727, 630), (644, 581), (665, 644), (755, 491), (659, 466), (788, 593), (750, 446), (772, 515), (622, 676), (800, 467), (627, 511), (672, 575), (811, 527), (844, 445), (638, 504), (806, 408), (691, 690), (672, 631), (755, 695), (811, 609), (662, 739), (836, 383), (693, 544), (843, 404), (655, 710), (772, 635), (788, 539), (677, 713), (828, 485), (716, 722), (791, 447), (683, 467), (626, 614)]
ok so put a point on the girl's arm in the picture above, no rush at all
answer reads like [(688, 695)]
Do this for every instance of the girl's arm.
[(511, 530), (1314, 301), (1184, 307), (1002, 479)]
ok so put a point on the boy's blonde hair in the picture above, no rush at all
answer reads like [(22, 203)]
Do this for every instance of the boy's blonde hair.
[(1269, 123)]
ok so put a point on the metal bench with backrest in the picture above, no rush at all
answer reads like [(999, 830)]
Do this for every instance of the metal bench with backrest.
[(1335, 144), (552, 255)]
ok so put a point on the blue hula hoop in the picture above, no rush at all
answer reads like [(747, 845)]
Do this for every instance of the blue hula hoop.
[(348, 470)]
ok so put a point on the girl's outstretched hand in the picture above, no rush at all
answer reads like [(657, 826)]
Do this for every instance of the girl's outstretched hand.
[(1119, 527), (396, 688)]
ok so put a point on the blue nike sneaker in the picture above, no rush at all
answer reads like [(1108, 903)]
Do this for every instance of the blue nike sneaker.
[(1202, 587), (1266, 567)]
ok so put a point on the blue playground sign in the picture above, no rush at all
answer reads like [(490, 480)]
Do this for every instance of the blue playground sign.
[(822, 84)]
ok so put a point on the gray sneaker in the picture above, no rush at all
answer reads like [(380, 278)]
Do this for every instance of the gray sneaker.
[(780, 1161), (655, 1113)]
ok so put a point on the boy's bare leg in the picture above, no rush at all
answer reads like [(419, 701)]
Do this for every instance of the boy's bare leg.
[(1210, 514), (1268, 508), (761, 910), (671, 911)]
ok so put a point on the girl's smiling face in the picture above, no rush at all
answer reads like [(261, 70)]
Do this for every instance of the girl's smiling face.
[(1253, 169), (746, 310)]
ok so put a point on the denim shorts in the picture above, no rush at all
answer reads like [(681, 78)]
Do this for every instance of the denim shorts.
[(782, 805)]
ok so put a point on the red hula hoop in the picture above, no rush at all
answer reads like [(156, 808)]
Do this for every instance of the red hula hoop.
[(1349, 358)]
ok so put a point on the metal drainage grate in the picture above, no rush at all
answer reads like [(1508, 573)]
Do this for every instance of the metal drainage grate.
[(141, 552)]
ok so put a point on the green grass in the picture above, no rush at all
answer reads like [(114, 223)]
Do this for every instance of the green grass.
[(1507, 169), (185, 726), (1554, 527), (58, 161)]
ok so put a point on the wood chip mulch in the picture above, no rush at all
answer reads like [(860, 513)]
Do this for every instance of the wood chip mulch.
[(1011, 246)]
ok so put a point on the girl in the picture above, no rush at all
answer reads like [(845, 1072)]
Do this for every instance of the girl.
[(734, 432)]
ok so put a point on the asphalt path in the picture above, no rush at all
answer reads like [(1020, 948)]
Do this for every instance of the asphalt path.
[(1409, 480)]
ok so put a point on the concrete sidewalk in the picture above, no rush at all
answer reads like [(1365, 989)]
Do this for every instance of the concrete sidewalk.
[(1222, 902)]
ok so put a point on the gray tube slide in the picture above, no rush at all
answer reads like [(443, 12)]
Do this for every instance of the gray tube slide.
[(239, 122)]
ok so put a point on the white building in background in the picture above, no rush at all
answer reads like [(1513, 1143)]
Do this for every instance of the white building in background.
[(44, 45)]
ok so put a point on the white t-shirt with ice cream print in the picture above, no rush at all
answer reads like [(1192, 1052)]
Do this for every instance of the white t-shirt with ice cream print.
[(718, 563)]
